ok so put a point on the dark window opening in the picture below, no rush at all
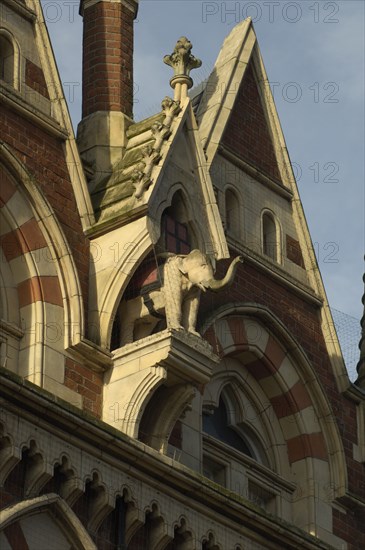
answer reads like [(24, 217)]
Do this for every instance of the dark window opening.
[(176, 235), (6, 60), (111, 534), (216, 425), (175, 438), (270, 244), (232, 213)]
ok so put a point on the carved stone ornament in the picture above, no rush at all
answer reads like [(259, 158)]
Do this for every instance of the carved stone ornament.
[(141, 182), (141, 175), (171, 108), (181, 59), (160, 132), (150, 158)]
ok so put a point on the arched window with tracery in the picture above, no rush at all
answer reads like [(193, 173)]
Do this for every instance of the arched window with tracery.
[(224, 425), (232, 448)]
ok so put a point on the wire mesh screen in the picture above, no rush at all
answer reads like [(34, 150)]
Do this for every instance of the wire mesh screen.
[(349, 332)]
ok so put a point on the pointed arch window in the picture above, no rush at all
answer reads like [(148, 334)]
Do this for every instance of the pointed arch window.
[(233, 454), (217, 426), (9, 59), (177, 234), (232, 213), (271, 241)]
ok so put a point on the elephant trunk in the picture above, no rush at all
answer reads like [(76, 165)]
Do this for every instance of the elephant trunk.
[(217, 285)]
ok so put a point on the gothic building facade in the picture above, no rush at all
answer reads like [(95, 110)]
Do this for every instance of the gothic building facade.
[(170, 375)]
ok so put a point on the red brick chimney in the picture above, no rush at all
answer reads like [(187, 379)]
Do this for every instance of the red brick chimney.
[(107, 80)]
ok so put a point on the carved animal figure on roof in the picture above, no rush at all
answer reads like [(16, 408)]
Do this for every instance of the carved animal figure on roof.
[(184, 278)]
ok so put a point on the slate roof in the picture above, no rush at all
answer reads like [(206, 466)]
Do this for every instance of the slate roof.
[(117, 188)]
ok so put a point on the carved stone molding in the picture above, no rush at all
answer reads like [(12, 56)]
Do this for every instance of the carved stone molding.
[(130, 4)]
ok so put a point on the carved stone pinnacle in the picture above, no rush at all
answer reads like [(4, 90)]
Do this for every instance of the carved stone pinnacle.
[(181, 59)]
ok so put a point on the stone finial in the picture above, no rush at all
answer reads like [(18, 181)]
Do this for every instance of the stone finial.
[(182, 62), (181, 59)]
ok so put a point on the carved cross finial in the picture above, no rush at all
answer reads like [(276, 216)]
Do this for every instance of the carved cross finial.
[(182, 61)]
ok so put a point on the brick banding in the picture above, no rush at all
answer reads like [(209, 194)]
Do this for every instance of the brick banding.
[(238, 331), (16, 537), (307, 445), (26, 238), (260, 369), (287, 403), (291, 402), (44, 161), (275, 353), (43, 288), (87, 383), (7, 187)]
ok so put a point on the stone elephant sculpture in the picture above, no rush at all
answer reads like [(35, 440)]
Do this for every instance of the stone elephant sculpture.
[(184, 277)]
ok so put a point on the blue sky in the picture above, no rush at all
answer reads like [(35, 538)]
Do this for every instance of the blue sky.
[(314, 56)]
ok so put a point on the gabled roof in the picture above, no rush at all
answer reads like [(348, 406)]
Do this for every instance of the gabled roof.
[(139, 184), (237, 93), (220, 89), (237, 118)]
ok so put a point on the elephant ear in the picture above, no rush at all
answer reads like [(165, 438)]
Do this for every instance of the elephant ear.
[(194, 257)]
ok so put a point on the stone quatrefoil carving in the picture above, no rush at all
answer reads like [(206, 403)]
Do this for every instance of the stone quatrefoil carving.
[(151, 154)]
